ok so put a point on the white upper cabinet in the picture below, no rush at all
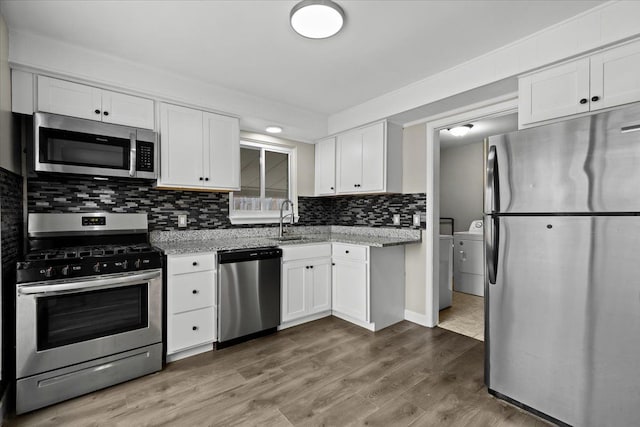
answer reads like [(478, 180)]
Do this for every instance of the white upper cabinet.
[(198, 150), (181, 161), (615, 76), (325, 169), (368, 160), (556, 92), (222, 149), (602, 80), (87, 102)]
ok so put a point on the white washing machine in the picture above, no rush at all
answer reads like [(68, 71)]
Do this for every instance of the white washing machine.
[(468, 259)]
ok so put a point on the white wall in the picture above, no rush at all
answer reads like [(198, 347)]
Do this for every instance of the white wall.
[(58, 59), (414, 180), (596, 28), (9, 152), (461, 184)]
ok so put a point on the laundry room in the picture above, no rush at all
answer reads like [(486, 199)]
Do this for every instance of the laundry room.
[(462, 276)]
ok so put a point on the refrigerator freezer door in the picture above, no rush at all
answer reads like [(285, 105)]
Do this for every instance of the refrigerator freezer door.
[(564, 317), (590, 164)]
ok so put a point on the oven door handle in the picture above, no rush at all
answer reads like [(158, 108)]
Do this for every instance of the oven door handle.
[(87, 285)]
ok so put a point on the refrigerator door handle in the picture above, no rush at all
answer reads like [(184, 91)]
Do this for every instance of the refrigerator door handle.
[(492, 235), (492, 193)]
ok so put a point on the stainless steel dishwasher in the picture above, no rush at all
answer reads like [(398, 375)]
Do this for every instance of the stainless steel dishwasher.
[(248, 293)]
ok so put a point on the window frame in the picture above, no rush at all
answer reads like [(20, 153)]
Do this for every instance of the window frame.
[(267, 216)]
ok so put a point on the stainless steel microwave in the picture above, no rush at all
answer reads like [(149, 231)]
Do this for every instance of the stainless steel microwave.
[(78, 146)]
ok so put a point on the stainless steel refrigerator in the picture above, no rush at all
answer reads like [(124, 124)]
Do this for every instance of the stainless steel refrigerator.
[(562, 227)]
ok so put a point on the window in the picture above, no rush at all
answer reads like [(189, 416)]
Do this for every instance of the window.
[(265, 182)]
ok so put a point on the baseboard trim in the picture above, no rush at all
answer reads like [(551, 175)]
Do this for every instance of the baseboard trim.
[(189, 352), (420, 319), (302, 320)]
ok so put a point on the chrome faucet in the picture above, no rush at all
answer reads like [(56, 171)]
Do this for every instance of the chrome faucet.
[(282, 207)]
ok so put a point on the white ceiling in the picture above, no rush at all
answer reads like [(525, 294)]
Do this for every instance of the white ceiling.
[(249, 46)]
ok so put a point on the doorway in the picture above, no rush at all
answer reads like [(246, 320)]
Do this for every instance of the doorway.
[(493, 108), (461, 191)]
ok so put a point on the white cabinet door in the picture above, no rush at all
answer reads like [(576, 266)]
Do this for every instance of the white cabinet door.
[(615, 76), (555, 92), (349, 159), (325, 167), (221, 151), (294, 290), (350, 294), (320, 286), (181, 146), (69, 99), (127, 110), (373, 159)]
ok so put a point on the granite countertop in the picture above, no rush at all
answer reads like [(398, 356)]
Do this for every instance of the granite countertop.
[(212, 243)]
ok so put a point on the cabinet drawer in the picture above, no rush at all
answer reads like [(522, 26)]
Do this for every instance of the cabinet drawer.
[(191, 291), (190, 329), (179, 264), (294, 252), (353, 252)]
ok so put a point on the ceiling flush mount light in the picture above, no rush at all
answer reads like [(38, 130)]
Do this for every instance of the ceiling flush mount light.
[(316, 19), (273, 129), (460, 130)]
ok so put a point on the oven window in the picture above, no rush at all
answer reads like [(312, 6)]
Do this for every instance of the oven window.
[(76, 317), (81, 149)]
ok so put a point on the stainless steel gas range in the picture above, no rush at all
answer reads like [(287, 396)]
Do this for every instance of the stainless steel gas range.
[(88, 306)]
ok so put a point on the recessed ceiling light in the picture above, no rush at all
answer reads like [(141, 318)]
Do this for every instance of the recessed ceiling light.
[(460, 130), (273, 129), (316, 19)]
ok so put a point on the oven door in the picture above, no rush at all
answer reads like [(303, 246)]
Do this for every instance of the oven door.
[(64, 322)]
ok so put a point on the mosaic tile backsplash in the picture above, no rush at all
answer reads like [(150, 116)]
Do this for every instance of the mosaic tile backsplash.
[(207, 210), (11, 206)]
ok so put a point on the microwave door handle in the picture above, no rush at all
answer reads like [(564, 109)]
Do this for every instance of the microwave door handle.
[(132, 159), (87, 285)]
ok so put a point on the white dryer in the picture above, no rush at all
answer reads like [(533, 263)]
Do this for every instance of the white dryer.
[(468, 259)]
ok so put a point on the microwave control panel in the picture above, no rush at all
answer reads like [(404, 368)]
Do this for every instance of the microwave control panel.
[(144, 156)]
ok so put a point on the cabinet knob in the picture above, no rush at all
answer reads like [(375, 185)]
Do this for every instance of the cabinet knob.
[(595, 98), (306, 266), (195, 263), (106, 113), (311, 266), (195, 291), (206, 179), (195, 328), (346, 252), (584, 101), (97, 111), (332, 188), (201, 178), (333, 263)]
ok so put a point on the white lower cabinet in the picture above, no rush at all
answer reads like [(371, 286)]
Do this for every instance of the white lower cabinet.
[(368, 285), (306, 283), (191, 304)]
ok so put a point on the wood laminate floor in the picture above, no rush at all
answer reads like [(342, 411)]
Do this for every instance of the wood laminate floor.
[(324, 373)]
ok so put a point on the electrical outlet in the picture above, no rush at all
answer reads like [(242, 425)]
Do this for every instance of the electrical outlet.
[(182, 221), (396, 219), (416, 219)]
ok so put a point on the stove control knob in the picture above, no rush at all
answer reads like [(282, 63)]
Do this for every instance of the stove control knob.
[(96, 267), (49, 272), (137, 264), (65, 270), (125, 264)]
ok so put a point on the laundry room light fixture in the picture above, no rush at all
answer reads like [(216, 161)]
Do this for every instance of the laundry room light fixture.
[(460, 130), (316, 19)]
